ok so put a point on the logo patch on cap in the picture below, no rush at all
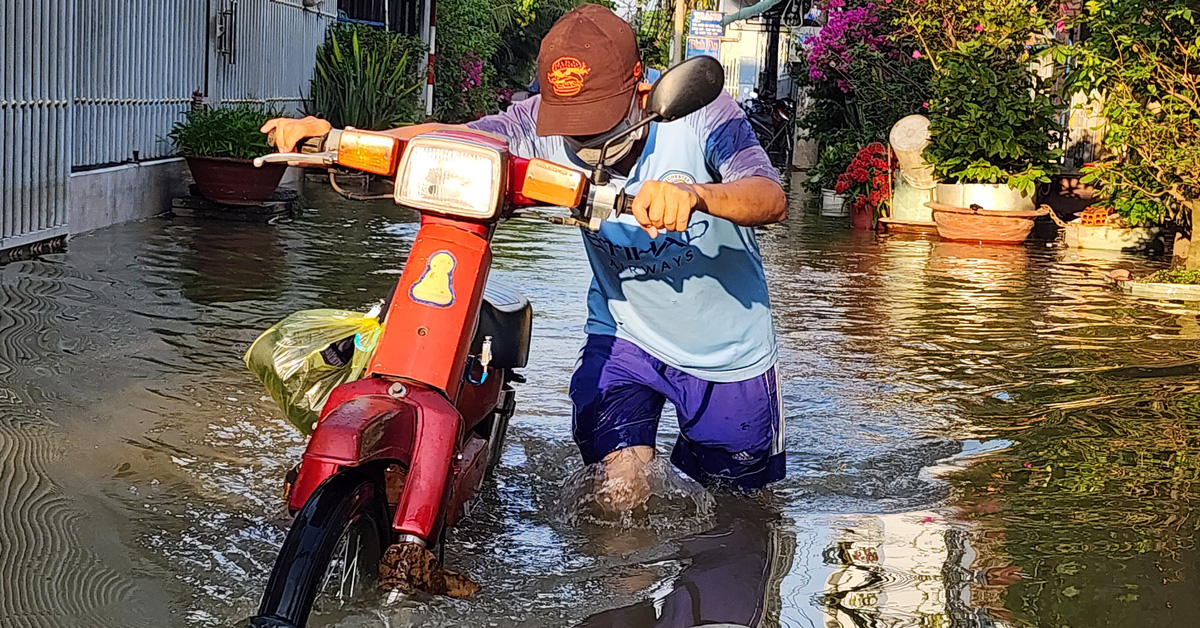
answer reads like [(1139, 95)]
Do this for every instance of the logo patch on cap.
[(566, 76)]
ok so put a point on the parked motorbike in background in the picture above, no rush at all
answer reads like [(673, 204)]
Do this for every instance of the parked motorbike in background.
[(396, 457), (772, 121)]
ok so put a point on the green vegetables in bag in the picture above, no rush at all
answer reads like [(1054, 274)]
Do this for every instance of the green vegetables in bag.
[(298, 361)]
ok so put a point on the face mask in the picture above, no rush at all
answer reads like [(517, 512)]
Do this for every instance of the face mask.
[(589, 151)]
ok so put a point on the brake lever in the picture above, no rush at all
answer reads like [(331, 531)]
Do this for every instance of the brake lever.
[(319, 159)]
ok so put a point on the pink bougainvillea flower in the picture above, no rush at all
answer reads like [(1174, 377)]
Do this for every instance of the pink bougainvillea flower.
[(916, 54), (925, 104), (1061, 25), (979, 28)]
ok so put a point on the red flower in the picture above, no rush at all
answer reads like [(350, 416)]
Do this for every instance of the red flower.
[(841, 186)]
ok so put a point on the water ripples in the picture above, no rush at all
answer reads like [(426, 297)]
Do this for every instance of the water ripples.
[(976, 435)]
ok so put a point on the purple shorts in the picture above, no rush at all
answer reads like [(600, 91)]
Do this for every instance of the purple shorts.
[(729, 433)]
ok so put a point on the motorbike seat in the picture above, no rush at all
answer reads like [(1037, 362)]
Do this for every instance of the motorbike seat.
[(507, 317)]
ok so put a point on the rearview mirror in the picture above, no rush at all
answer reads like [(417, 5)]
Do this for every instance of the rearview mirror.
[(680, 91), (686, 88)]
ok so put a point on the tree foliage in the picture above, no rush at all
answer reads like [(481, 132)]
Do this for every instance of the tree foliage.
[(1143, 58), (861, 80), (992, 119)]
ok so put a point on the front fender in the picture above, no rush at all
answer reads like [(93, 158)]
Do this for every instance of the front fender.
[(364, 423)]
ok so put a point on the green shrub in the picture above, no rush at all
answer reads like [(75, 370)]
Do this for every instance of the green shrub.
[(1143, 56), (1174, 275), (992, 119), (366, 78), (231, 132), (464, 75), (653, 28)]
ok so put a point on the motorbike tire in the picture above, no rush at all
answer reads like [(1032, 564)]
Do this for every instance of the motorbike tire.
[(342, 501)]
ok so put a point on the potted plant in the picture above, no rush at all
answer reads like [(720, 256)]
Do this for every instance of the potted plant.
[(992, 125), (992, 117), (867, 185), (220, 145)]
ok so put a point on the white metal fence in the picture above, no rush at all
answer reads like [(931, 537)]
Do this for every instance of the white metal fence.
[(137, 63), (36, 109), (91, 83), (270, 57)]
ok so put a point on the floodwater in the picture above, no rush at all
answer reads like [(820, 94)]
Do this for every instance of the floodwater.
[(977, 436)]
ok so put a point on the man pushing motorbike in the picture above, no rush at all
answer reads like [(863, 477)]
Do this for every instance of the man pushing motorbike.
[(678, 308)]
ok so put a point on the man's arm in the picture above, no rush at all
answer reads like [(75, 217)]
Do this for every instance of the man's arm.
[(289, 131), (516, 126), (749, 202), (749, 193)]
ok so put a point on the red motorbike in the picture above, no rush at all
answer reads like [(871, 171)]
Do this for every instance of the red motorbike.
[(396, 456)]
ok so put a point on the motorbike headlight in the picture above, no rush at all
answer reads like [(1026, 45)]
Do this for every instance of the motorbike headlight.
[(451, 175)]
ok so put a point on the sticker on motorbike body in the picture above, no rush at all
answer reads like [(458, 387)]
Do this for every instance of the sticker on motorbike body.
[(435, 286)]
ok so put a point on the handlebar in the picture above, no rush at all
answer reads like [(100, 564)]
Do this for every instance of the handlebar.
[(589, 203), (310, 150)]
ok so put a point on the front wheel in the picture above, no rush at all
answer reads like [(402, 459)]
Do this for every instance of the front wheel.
[(331, 554)]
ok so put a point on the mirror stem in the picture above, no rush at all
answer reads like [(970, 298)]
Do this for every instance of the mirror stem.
[(599, 174)]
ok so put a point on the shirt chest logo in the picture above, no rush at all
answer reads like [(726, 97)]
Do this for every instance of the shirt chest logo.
[(678, 176)]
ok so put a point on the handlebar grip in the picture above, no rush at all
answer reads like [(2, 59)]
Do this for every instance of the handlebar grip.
[(624, 204), (307, 146)]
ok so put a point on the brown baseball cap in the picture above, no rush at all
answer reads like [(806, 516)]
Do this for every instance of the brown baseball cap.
[(588, 68)]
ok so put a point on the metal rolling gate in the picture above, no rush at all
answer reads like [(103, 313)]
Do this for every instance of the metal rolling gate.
[(95, 83)]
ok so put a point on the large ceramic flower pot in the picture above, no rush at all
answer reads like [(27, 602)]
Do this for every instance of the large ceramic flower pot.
[(1104, 237), (988, 196), (235, 181)]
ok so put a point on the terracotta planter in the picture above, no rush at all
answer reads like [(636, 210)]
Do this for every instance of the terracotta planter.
[(999, 227), (861, 218), (235, 181)]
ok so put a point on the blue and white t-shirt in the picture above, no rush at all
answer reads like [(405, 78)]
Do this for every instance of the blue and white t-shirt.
[(697, 300)]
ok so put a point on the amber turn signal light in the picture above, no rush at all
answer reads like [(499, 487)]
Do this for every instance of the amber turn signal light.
[(553, 184), (375, 153)]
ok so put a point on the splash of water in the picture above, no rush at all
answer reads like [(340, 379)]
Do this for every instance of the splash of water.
[(656, 497)]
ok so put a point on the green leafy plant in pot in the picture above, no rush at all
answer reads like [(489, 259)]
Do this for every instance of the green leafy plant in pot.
[(992, 121), (220, 145)]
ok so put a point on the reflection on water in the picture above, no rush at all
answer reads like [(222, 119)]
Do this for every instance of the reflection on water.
[(977, 436), (728, 574)]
